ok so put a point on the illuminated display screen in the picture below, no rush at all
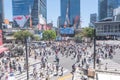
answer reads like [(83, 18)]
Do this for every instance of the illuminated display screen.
[(66, 30)]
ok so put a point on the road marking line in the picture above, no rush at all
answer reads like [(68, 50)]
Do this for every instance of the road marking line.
[(65, 77)]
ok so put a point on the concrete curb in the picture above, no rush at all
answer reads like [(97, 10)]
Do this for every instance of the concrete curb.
[(107, 71)]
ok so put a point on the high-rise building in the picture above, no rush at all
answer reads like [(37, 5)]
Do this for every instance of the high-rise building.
[(1, 13), (93, 19), (106, 7), (70, 12), (36, 8), (58, 21), (116, 14)]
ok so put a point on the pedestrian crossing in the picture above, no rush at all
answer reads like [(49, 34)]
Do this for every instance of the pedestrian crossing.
[(23, 76), (110, 67)]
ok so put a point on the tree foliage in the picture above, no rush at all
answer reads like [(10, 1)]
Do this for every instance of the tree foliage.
[(49, 35), (21, 35), (78, 38), (87, 32), (37, 38)]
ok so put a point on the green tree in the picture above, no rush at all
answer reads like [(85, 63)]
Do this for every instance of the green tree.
[(37, 38), (21, 35), (87, 32), (49, 35), (78, 38)]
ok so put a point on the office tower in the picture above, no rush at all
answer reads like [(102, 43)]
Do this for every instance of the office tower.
[(70, 13), (1, 13), (93, 19), (23, 9), (106, 7), (58, 21), (116, 14)]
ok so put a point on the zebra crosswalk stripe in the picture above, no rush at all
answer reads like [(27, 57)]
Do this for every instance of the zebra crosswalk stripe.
[(23, 76)]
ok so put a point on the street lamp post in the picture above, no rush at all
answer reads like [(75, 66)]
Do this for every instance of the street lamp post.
[(26, 59), (94, 47)]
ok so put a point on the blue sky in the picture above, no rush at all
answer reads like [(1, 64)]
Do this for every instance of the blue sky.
[(53, 10)]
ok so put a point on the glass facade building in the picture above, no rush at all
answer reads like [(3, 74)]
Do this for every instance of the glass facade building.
[(39, 8), (106, 7), (21, 7), (93, 19), (1, 13), (116, 14), (36, 7), (73, 11)]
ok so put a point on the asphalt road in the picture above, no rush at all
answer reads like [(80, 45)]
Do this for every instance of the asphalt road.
[(65, 62)]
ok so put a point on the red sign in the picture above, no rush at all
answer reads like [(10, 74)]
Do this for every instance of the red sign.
[(1, 42)]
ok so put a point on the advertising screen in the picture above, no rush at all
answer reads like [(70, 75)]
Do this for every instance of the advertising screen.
[(21, 20), (67, 30)]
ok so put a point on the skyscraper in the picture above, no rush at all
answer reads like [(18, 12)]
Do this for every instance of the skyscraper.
[(106, 7), (70, 12), (1, 13), (116, 14), (36, 8), (93, 19)]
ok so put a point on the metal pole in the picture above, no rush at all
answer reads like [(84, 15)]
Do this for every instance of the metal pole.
[(94, 47), (27, 59)]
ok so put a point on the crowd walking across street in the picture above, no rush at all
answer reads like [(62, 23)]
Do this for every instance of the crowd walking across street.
[(49, 61)]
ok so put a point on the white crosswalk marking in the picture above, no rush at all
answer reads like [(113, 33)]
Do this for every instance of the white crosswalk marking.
[(23, 76), (111, 66)]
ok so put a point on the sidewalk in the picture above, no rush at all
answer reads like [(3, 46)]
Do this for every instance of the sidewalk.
[(112, 67), (104, 76)]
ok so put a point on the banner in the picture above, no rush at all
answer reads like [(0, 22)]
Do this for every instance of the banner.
[(21, 20)]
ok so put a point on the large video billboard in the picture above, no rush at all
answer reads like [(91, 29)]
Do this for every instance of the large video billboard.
[(67, 30)]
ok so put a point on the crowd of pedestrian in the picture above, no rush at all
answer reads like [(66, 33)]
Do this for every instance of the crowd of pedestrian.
[(80, 52)]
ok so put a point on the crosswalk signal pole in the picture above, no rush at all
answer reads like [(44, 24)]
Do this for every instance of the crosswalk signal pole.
[(94, 47)]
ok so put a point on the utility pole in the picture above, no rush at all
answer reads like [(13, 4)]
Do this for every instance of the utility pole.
[(26, 59), (94, 47)]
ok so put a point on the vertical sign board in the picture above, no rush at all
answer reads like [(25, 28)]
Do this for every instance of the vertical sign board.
[(1, 42)]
